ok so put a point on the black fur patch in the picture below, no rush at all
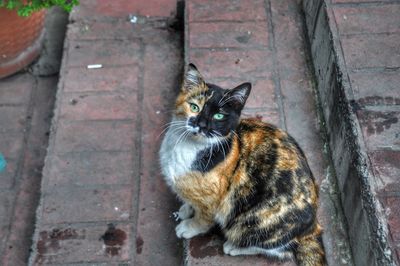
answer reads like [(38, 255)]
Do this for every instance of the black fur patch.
[(208, 158)]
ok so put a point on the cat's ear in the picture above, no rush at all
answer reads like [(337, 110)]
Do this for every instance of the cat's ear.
[(238, 95), (192, 78)]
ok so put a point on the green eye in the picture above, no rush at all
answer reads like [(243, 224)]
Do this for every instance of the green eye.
[(194, 108), (218, 116)]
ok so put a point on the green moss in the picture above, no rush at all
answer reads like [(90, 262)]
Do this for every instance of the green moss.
[(25, 8)]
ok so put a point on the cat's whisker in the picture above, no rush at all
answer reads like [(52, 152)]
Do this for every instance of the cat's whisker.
[(173, 128), (211, 151), (234, 133), (180, 138), (179, 122)]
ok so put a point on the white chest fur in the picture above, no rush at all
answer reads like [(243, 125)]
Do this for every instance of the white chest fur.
[(177, 156)]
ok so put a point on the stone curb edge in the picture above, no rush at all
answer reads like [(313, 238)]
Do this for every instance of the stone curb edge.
[(363, 212)]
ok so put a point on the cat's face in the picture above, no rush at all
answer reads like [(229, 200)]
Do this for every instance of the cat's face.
[(208, 110)]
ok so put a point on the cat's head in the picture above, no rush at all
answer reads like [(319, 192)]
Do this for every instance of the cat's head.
[(208, 110)]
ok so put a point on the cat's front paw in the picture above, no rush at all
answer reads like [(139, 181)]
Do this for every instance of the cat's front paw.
[(185, 212), (228, 247), (190, 228)]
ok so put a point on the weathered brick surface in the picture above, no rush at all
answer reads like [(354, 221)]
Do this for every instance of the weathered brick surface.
[(368, 51), (356, 64), (386, 169), (19, 89), (358, 2), (86, 80), (11, 144), (227, 34), (157, 202), (13, 117), (223, 10), (233, 63), (356, 20), (26, 104), (364, 85), (102, 163), (105, 52), (86, 204), (63, 244), (97, 9), (81, 106), (88, 168), (274, 60), (380, 127), (83, 135)]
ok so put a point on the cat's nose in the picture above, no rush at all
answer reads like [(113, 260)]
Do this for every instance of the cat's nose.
[(202, 124)]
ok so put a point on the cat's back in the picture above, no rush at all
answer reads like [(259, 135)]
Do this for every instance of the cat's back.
[(256, 135), (272, 153)]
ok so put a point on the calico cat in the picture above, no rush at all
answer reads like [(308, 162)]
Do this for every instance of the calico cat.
[(249, 177)]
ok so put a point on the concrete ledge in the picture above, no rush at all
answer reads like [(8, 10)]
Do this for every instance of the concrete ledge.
[(365, 216)]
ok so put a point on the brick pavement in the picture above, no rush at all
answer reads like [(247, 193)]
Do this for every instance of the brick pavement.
[(26, 104), (359, 71), (103, 200), (263, 42), (118, 212)]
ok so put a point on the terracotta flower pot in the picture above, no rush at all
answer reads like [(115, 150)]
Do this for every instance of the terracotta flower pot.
[(20, 40)]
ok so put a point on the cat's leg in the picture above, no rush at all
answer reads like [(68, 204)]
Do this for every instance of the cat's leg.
[(185, 211), (232, 250), (279, 253), (192, 227)]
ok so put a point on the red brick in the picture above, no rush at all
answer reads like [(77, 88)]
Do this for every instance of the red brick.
[(262, 93), (75, 204), (6, 206), (289, 40), (207, 250), (6, 199), (100, 30), (43, 104), (357, 1), (11, 145), (393, 208), (296, 83), (385, 164), (363, 51), (106, 52), (351, 20), (13, 117), (230, 63), (228, 34), (364, 86), (94, 136), (24, 210), (242, 10), (81, 106), (88, 168), (104, 79), (57, 245), (157, 202), (16, 89), (96, 9), (7, 177), (380, 127)]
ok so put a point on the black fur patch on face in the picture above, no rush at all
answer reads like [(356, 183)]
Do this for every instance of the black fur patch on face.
[(208, 158), (220, 101)]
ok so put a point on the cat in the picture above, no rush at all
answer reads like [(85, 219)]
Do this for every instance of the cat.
[(248, 177)]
